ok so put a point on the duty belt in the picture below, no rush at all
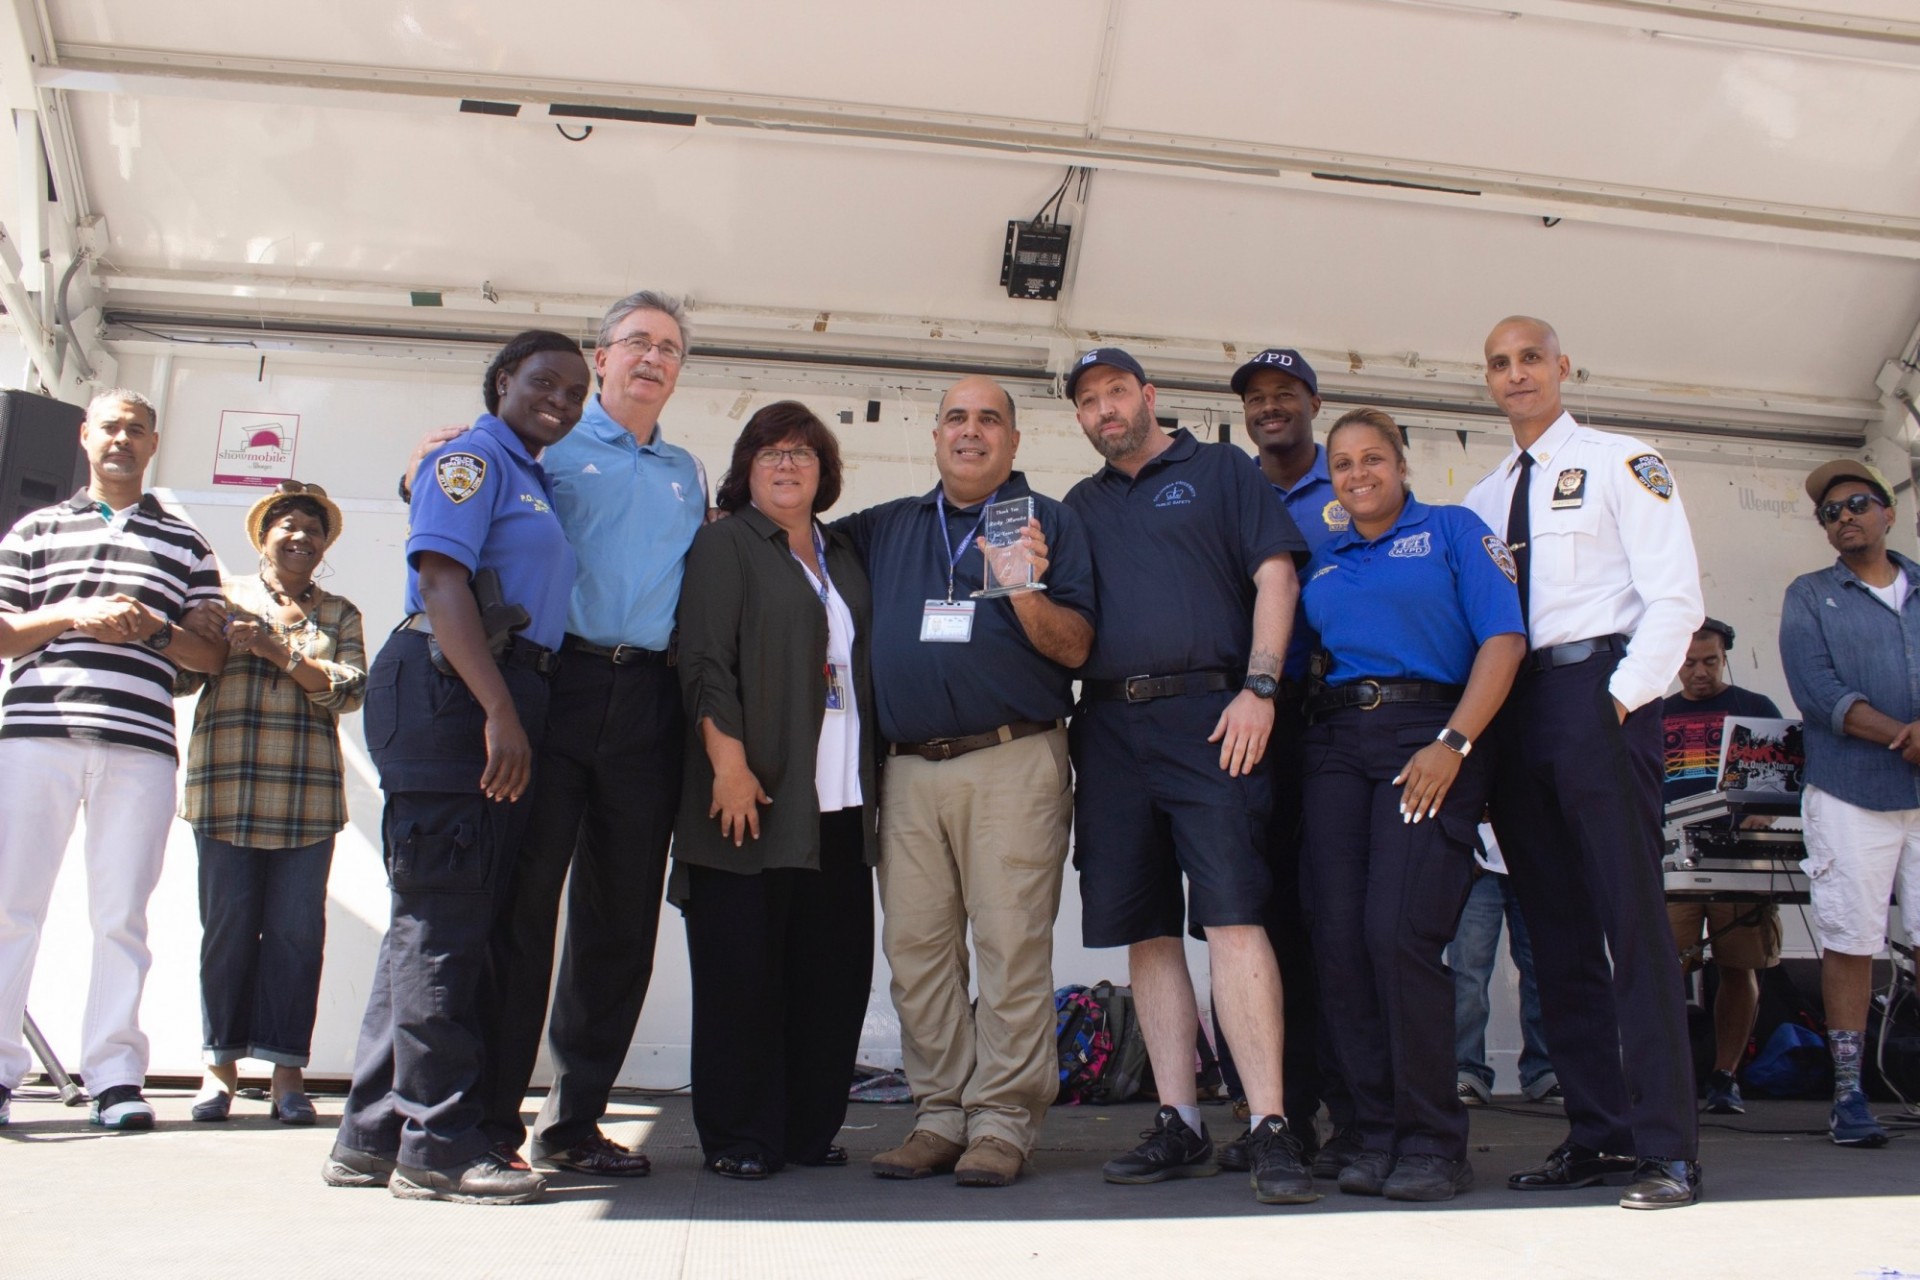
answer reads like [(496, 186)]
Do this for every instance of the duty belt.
[(937, 749), (1369, 694), (518, 652), (1573, 652), (621, 655), (1147, 688)]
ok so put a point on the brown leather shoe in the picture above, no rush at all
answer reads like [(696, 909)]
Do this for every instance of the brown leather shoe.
[(989, 1162), (598, 1156), (922, 1155)]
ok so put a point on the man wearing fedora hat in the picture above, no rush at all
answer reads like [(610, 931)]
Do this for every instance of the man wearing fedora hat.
[(1848, 640), (92, 594)]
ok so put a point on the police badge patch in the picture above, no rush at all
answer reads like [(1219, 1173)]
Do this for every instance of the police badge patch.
[(1502, 558), (1650, 469), (1335, 517), (460, 475)]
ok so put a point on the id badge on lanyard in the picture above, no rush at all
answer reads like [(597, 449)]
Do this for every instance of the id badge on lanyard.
[(836, 687), (947, 621)]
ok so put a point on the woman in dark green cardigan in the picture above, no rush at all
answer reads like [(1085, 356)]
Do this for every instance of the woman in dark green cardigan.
[(775, 842)]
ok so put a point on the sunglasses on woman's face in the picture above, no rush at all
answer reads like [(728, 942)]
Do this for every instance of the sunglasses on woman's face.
[(1857, 505)]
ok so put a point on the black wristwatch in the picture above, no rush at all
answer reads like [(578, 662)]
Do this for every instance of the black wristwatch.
[(160, 639), (1261, 685)]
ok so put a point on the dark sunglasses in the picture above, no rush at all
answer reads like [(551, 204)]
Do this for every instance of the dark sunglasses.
[(299, 486), (1855, 505)]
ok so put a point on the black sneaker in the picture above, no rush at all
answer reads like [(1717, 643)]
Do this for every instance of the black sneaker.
[(6, 1105), (1426, 1178), (1280, 1174), (1366, 1174), (1723, 1095), (1171, 1150), (1340, 1151), (1232, 1156), (122, 1107)]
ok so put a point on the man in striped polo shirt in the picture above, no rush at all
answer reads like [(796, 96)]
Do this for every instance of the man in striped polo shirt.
[(92, 594)]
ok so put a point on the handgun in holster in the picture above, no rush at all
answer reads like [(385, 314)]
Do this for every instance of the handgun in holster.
[(498, 618)]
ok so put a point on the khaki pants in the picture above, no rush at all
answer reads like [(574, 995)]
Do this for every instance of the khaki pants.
[(977, 840)]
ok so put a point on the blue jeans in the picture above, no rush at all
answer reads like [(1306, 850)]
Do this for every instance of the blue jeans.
[(1471, 956), (263, 921)]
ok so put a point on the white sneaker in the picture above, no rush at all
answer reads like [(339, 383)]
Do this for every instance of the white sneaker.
[(121, 1107)]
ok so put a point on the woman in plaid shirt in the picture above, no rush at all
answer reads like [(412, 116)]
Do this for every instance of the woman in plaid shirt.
[(265, 798)]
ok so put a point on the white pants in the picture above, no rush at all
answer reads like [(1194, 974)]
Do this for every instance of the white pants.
[(128, 796), (1856, 858)]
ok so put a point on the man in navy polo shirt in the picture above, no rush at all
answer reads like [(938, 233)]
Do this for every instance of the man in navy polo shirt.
[(1193, 566), (972, 696), (1281, 396)]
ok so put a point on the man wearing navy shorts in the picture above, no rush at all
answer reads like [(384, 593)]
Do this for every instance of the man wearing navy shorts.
[(1194, 576)]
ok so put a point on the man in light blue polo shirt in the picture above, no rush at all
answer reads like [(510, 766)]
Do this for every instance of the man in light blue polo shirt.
[(607, 781)]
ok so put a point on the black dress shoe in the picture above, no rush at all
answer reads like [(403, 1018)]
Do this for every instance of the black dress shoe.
[(1570, 1166), (746, 1168), (832, 1158), (1663, 1184)]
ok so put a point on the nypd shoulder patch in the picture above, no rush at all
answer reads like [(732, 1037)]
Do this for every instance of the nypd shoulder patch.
[(460, 475), (1650, 469), (1502, 558)]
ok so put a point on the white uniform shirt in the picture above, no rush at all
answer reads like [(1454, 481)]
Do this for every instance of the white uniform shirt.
[(1615, 556)]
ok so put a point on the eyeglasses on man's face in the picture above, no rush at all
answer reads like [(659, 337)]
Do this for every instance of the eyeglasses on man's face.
[(1858, 504), (638, 344)]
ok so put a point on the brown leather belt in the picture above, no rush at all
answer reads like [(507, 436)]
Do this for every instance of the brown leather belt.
[(947, 748), (621, 655)]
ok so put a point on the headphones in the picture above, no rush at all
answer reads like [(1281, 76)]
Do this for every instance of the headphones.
[(1720, 629)]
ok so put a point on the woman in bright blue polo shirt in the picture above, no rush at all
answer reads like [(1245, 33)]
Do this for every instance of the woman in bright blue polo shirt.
[(452, 722), (1418, 615)]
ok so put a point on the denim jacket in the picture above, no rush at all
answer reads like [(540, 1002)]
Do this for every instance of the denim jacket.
[(1840, 645)]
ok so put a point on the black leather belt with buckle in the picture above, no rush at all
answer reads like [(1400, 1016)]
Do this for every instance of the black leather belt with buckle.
[(1147, 688), (1573, 652), (1370, 694), (947, 748), (621, 655)]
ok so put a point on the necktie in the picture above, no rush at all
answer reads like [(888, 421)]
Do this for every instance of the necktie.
[(1520, 530)]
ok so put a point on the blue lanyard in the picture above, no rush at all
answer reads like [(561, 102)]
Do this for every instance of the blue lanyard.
[(820, 550), (946, 537)]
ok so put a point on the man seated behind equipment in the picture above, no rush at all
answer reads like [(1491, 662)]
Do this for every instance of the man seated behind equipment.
[(1744, 937)]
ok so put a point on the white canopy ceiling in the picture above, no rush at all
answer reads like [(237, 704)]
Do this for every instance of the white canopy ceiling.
[(1717, 203)]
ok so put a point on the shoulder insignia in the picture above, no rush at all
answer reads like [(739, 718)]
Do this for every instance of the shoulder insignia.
[(460, 475), (1650, 469), (1335, 517), (1502, 558)]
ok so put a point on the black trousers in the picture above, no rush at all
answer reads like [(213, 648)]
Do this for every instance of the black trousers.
[(603, 805), (1308, 1074), (782, 966), (1386, 896), (449, 856), (1577, 808)]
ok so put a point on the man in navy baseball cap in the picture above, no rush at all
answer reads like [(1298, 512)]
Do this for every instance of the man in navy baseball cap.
[(1112, 357), (1281, 360)]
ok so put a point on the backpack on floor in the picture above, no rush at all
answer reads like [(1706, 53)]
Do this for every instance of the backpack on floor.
[(1080, 1033)]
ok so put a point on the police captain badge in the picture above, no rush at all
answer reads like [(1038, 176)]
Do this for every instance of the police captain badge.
[(1651, 471), (1502, 558), (460, 475)]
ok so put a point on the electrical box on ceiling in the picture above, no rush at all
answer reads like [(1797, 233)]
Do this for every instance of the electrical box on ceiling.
[(1035, 262)]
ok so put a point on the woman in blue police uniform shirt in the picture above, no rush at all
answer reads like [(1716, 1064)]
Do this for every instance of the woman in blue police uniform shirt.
[(455, 753), (1418, 613)]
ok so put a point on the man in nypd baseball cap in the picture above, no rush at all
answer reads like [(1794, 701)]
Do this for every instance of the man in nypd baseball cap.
[(1281, 360)]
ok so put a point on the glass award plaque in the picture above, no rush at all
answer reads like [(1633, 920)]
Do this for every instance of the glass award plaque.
[(1007, 568)]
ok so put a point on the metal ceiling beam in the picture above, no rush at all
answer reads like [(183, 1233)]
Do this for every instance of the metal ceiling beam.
[(118, 69)]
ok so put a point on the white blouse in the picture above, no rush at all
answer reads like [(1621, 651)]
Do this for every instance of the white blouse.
[(836, 768)]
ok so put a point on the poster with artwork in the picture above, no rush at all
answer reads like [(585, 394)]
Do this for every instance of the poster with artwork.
[(255, 449), (1762, 754)]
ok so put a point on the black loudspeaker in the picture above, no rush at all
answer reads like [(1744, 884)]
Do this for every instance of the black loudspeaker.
[(40, 458)]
